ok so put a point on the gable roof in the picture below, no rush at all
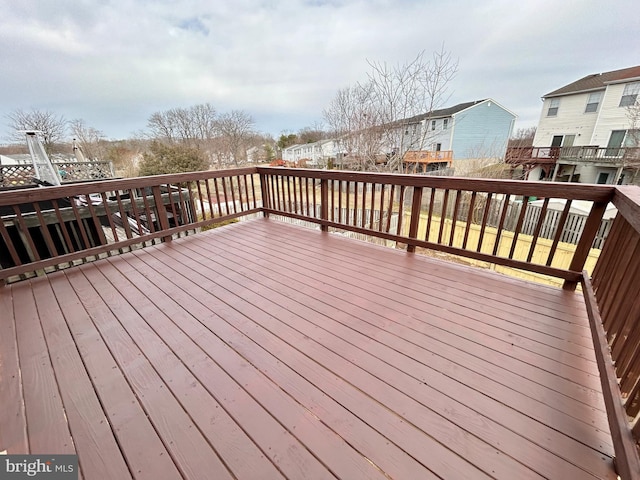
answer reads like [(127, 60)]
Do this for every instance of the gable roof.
[(597, 81), (443, 112)]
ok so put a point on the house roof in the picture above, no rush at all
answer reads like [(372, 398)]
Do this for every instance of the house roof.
[(443, 112), (596, 81)]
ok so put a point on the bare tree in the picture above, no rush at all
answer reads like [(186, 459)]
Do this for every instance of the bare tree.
[(523, 137), (370, 118), (235, 129), (52, 126), (192, 126), (90, 140)]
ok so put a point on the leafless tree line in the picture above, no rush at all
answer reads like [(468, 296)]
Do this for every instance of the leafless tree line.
[(370, 117)]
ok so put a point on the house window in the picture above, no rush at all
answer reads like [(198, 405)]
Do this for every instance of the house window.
[(593, 102), (603, 178), (630, 94), (433, 124), (554, 103), (445, 123)]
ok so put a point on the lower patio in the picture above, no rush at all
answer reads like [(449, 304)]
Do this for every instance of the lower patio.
[(264, 350)]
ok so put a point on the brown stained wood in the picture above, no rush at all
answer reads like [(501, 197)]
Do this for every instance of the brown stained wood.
[(13, 424), (80, 222), (511, 187), (201, 201), (503, 215), (292, 415), (296, 208), (415, 216), (308, 293), (411, 370), (536, 232), (225, 195), (364, 204), (608, 260), (467, 228), (47, 427), (516, 233), (560, 227), (454, 219), (587, 237), (63, 227), (9, 243), (146, 456), (617, 264), (324, 203), (96, 221), (45, 231), (355, 204), (383, 188), (390, 209), (114, 231), (430, 215), (627, 461), (443, 215), (91, 432), (179, 361), (123, 214), (252, 292), (189, 450), (485, 218), (315, 201), (418, 445), (627, 200), (24, 230), (217, 190), (372, 206), (136, 213), (620, 301)]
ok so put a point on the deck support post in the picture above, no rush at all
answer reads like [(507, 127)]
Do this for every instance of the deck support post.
[(586, 240), (264, 190), (415, 216), (324, 203)]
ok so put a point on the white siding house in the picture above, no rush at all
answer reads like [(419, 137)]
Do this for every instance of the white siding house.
[(585, 126), (315, 154)]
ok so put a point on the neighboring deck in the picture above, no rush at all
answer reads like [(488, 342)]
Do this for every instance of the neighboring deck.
[(262, 350)]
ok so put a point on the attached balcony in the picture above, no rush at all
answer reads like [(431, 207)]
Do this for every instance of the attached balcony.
[(546, 157), (421, 161), (281, 344)]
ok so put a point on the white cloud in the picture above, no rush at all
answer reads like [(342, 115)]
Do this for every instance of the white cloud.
[(114, 63)]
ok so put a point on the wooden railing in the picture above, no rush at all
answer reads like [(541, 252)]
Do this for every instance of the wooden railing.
[(426, 212), (428, 156), (629, 156), (47, 227), (614, 302)]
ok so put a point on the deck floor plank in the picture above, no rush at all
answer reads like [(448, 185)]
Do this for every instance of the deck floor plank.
[(13, 424), (189, 449), (265, 350), (91, 432), (146, 455), (351, 316), (435, 325), (545, 436)]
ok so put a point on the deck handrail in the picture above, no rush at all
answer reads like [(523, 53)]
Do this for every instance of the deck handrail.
[(447, 228), (615, 300), (473, 218), (584, 153), (48, 227)]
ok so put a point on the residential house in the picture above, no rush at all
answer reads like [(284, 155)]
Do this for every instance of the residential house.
[(470, 130), (316, 154), (585, 133)]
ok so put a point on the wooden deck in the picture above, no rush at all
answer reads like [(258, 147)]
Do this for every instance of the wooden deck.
[(262, 350)]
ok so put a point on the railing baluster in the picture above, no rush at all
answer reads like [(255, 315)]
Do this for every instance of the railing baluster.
[(400, 210), (503, 215), (485, 219), (390, 208), (414, 223), (536, 232), (456, 206), (123, 215), (516, 233), (202, 209), (443, 214), (45, 231), (432, 197), (556, 239), (372, 206), (9, 243), (472, 205), (83, 232)]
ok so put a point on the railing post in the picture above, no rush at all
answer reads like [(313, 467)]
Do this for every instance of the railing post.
[(586, 240), (161, 210), (264, 190), (415, 216), (324, 203)]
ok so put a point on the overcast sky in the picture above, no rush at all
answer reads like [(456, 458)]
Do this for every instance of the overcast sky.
[(113, 63)]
